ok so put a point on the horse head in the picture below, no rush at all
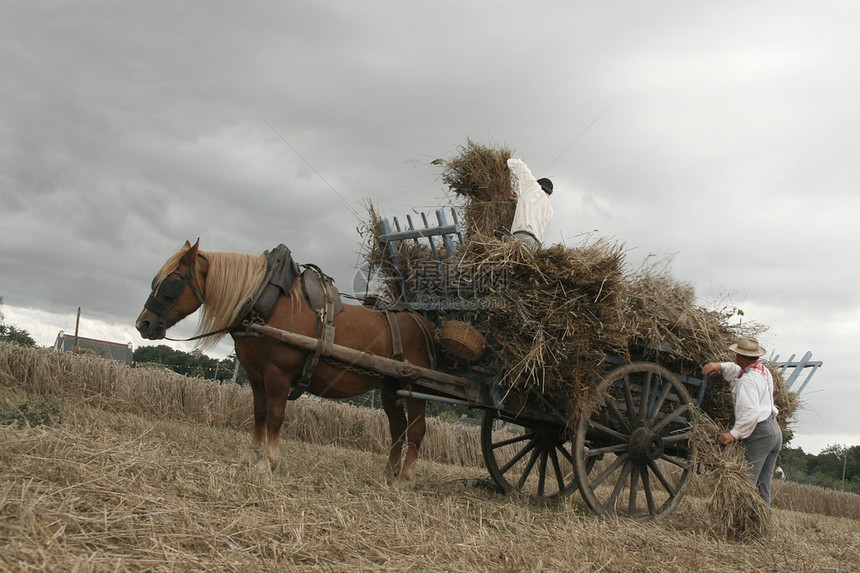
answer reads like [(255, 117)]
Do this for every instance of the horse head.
[(177, 291)]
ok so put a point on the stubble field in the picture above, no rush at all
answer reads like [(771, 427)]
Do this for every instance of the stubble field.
[(106, 469)]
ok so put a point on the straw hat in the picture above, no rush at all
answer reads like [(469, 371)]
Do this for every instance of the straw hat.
[(747, 346)]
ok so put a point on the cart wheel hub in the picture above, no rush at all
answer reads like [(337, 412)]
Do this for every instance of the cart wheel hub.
[(645, 445)]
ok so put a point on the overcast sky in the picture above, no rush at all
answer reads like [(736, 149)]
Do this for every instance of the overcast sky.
[(720, 134)]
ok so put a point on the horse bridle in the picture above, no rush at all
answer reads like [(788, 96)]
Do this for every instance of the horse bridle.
[(170, 288)]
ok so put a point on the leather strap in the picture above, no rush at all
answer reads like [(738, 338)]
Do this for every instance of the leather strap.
[(396, 339), (324, 333)]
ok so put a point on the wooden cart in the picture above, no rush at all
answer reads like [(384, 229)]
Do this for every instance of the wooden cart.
[(629, 453)]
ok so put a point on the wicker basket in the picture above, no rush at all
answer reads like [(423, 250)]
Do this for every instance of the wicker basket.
[(463, 340)]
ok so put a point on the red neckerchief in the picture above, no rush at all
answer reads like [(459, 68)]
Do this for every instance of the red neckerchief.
[(757, 366)]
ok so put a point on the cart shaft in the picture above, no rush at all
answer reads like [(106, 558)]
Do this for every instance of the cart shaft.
[(366, 360)]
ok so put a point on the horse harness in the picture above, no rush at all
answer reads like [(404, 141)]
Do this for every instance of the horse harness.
[(170, 288), (324, 299)]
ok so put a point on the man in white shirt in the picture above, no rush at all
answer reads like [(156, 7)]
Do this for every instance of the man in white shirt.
[(534, 211), (755, 412)]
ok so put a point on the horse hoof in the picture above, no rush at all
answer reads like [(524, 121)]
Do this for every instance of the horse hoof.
[(405, 485), (275, 465)]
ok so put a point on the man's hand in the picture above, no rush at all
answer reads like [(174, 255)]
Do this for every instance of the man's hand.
[(711, 368), (726, 438)]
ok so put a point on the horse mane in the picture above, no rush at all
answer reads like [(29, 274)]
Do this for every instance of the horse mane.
[(233, 278)]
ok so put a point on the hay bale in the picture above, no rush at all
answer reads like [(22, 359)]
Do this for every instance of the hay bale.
[(479, 176), (736, 509)]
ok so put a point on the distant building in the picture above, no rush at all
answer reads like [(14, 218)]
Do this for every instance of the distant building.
[(113, 350)]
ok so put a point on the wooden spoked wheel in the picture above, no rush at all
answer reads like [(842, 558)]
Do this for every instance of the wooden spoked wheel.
[(534, 461), (641, 430)]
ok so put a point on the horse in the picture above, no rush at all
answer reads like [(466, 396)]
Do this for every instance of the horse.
[(222, 283)]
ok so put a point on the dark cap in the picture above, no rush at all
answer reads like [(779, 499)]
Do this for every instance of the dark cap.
[(546, 185)]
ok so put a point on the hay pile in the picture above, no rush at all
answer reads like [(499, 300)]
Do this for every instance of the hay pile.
[(565, 308), (561, 314), (561, 311), (480, 177), (737, 510), (661, 310)]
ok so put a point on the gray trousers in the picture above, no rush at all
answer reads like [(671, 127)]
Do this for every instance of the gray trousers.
[(762, 449), (528, 239)]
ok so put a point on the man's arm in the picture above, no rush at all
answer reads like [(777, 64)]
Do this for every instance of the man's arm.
[(725, 438), (711, 368)]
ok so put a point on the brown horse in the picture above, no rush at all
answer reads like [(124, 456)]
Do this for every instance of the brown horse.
[(222, 283)]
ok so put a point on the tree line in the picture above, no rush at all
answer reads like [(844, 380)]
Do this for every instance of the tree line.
[(835, 467), (194, 364)]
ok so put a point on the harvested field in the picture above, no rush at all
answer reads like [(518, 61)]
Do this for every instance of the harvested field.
[(89, 481)]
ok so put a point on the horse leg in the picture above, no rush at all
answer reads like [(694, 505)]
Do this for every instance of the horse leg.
[(397, 426), (414, 436), (277, 390), (259, 435)]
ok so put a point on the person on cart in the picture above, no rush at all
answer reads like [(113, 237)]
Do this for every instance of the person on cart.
[(534, 210), (755, 412)]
